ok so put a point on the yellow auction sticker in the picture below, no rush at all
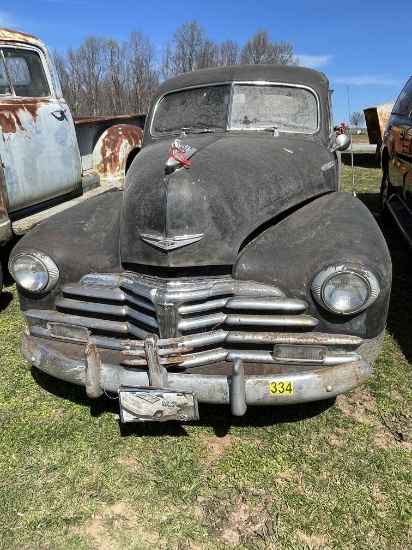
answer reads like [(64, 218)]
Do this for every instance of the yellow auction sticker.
[(281, 388)]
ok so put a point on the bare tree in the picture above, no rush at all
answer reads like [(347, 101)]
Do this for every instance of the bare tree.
[(141, 76), (188, 51), (229, 52), (261, 50), (102, 77), (166, 69), (71, 80), (357, 119), (188, 40), (91, 63), (208, 55), (113, 86)]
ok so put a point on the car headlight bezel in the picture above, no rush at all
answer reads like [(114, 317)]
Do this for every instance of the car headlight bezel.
[(363, 281), (34, 271)]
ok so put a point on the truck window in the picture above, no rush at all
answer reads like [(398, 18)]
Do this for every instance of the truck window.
[(22, 74)]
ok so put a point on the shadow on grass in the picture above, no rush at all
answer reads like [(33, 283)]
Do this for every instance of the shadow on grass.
[(5, 299), (217, 417), (400, 307), (362, 160), (221, 420), (371, 200)]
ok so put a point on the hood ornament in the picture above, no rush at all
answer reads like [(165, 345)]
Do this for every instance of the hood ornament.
[(179, 155), (170, 243)]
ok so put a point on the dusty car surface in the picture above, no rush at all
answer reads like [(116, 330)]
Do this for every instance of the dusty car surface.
[(231, 270), (396, 154)]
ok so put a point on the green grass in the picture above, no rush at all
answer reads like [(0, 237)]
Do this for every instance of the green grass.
[(331, 475)]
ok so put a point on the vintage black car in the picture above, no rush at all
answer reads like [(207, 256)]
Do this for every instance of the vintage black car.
[(396, 160), (231, 269)]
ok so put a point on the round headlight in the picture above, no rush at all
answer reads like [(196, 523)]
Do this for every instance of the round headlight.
[(34, 271), (343, 290)]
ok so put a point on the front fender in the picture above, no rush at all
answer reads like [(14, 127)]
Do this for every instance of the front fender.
[(82, 239), (332, 229)]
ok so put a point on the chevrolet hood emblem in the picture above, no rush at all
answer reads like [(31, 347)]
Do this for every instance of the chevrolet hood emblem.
[(170, 243)]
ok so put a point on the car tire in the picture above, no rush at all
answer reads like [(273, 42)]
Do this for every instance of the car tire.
[(385, 192)]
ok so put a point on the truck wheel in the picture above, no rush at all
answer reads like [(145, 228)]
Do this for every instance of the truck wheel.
[(385, 193)]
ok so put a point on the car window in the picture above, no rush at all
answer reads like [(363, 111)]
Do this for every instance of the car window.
[(403, 105)]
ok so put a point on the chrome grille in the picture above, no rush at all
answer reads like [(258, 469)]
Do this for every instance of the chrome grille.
[(146, 305), (196, 321)]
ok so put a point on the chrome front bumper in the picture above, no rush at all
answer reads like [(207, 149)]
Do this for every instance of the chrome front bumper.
[(237, 389)]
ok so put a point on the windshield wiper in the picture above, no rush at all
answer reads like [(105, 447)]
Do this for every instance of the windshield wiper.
[(201, 130), (273, 129)]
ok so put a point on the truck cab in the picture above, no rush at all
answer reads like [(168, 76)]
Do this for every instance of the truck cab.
[(49, 160), (34, 119)]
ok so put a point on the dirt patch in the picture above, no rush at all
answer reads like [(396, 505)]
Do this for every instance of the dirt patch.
[(238, 521), (134, 464), (313, 541), (400, 426), (390, 430), (359, 405), (217, 447), (113, 519)]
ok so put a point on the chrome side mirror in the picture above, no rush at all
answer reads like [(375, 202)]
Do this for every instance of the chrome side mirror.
[(339, 143)]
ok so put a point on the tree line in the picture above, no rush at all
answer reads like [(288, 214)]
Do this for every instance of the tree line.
[(103, 77)]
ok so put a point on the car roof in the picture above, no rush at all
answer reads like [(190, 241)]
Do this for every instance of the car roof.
[(254, 73)]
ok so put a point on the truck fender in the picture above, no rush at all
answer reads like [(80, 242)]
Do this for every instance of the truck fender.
[(6, 231), (114, 151)]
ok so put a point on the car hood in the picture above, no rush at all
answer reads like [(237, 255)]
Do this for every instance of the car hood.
[(235, 185)]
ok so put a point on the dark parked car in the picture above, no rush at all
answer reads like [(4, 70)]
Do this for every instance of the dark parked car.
[(396, 155), (230, 270)]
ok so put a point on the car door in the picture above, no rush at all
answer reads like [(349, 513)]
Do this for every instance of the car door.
[(38, 146)]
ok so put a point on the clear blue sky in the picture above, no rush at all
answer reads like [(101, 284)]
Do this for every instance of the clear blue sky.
[(355, 43)]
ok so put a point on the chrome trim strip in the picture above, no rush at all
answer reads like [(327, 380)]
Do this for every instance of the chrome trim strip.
[(92, 291), (91, 307), (255, 320), (97, 324), (282, 304)]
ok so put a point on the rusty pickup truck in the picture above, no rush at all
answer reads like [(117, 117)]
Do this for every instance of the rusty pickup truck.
[(48, 160), (231, 270)]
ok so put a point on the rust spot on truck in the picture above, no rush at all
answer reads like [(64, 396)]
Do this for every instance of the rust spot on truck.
[(11, 114), (7, 35), (9, 122), (113, 148)]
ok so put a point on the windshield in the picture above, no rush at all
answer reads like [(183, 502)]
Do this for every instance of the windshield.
[(195, 108), (289, 109), (248, 107)]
